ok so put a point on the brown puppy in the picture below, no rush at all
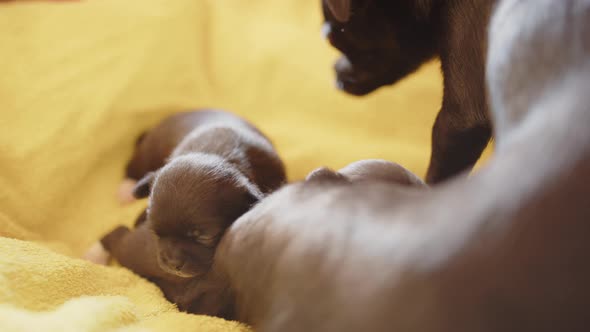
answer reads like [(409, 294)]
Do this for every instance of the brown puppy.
[(154, 147), (219, 169), (383, 41), (368, 170), (503, 250)]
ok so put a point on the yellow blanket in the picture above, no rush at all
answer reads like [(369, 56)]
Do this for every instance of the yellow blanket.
[(80, 80)]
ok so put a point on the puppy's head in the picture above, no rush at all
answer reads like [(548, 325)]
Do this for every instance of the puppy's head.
[(380, 170), (325, 174), (381, 41), (193, 199), (368, 170)]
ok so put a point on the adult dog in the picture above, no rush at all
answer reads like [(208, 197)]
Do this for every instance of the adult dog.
[(383, 41), (503, 250)]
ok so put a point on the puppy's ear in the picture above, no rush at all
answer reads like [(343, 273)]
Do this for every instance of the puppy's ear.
[(242, 204), (143, 188), (324, 174), (340, 9)]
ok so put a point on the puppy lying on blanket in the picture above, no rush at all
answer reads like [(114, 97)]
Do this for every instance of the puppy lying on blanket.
[(201, 170), (202, 289), (503, 250), (383, 41), (211, 294), (368, 170), (153, 148)]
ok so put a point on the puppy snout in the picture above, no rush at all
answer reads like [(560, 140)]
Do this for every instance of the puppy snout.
[(172, 262), (351, 73)]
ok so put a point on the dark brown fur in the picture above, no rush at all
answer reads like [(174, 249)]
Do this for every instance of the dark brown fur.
[(201, 170), (154, 147), (503, 250), (383, 41)]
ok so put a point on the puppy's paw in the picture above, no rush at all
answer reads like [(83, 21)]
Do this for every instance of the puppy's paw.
[(97, 254), (125, 193)]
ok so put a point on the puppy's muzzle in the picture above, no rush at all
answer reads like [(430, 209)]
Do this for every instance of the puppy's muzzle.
[(357, 79)]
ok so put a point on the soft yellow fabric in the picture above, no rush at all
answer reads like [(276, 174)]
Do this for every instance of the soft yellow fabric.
[(81, 80)]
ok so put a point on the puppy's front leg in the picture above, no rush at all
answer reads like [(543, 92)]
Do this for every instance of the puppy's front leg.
[(463, 127), (135, 249), (456, 145)]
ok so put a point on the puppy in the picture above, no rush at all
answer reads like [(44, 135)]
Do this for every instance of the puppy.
[(502, 250), (384, 41), (368, 170), (220, 167), (222, 298), (154, 147)]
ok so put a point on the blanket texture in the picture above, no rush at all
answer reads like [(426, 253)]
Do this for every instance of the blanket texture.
[(81, 79)]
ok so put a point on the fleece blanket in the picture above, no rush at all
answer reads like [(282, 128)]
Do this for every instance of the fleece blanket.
[(81, 79)]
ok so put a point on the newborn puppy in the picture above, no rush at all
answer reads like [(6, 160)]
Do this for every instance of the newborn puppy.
[(384, 41), (368, 170), (219, 169), (154, 147)]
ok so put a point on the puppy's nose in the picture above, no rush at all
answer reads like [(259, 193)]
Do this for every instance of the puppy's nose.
[(326, 30), (172, 262)]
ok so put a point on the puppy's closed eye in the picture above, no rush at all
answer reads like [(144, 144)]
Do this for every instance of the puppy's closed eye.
[(203, 238)]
